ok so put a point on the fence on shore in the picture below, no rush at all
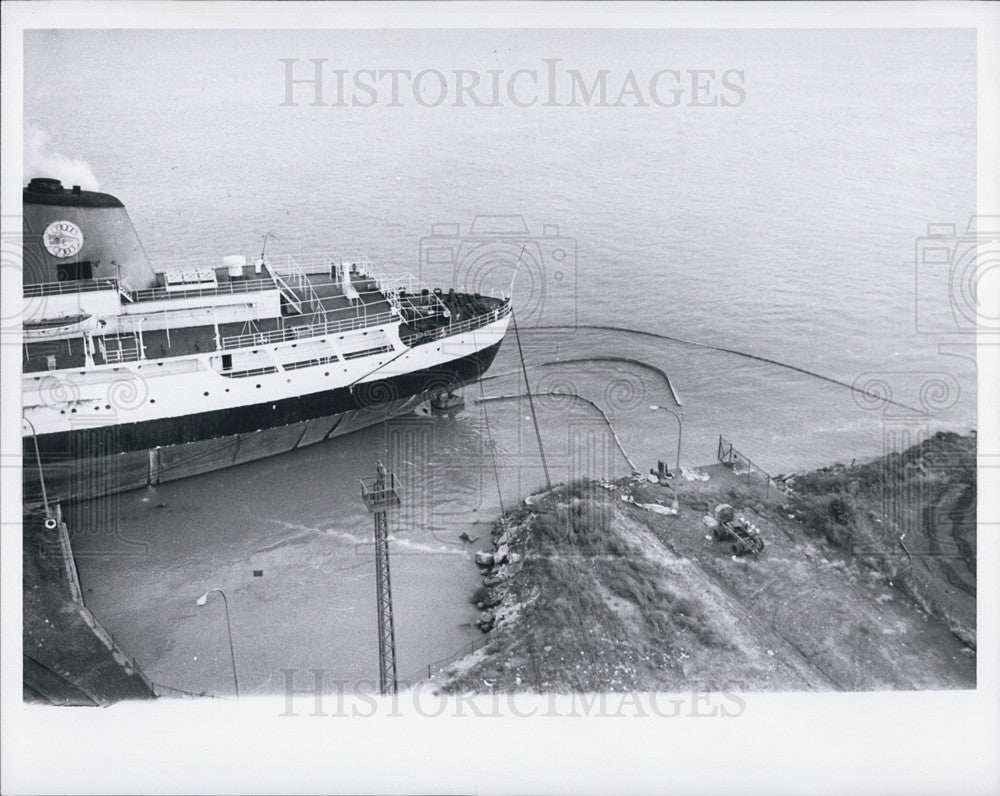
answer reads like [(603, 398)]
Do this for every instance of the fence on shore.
[(742, 464)]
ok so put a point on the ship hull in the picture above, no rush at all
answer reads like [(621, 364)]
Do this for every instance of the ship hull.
[(90, 462)]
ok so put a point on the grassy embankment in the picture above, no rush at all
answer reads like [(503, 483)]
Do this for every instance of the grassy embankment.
[(592, 591), (911, 516)]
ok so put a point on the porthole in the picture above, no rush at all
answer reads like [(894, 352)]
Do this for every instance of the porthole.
[(107, 406), (258, 386), (289, 381), (327, 373), (72, 411), (206, 392), (152, 400), (227, 389), (159, 364)]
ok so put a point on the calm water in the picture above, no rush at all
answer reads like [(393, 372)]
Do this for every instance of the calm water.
[(784, 227)]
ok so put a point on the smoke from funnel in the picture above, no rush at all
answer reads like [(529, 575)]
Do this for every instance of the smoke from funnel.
[(40, 160)]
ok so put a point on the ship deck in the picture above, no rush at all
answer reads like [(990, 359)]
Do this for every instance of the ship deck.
[(323, 306), (325, 302)]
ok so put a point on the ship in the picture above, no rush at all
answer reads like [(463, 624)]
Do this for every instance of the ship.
[(134, 376)]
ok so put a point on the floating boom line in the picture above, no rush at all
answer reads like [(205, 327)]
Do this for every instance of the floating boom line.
[(559, 394), (767, 360)]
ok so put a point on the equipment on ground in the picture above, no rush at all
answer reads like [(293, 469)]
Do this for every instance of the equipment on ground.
[(744, 536)]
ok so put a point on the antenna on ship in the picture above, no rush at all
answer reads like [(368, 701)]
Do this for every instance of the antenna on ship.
[(263, 247), (517, 265), (379, 495)]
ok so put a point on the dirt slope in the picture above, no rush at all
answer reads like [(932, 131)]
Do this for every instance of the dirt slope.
[(593, 590)]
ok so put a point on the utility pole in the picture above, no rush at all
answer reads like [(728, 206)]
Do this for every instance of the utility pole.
[(678, 418), (380, 494)]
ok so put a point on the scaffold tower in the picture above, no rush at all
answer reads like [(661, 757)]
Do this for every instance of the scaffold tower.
[(381, 494)]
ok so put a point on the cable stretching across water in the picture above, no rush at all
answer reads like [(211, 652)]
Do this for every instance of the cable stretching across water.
[(559, 394), (489, 436), (657, 336), (531, 401)]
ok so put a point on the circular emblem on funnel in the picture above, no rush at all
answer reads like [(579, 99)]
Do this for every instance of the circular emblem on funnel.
[(63, 238)]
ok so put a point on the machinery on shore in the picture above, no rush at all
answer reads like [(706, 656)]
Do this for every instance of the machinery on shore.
[(744, 535)]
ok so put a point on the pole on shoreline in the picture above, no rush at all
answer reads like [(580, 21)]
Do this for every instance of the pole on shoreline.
[(677, 469), (379, 494), (229, 629)]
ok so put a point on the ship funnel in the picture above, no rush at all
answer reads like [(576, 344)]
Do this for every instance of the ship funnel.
[(71, 234)]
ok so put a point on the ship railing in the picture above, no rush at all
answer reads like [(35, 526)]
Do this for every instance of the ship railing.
[(380, 493), (286, 290), (311, 330), (311, 263), (39, 289), (415, 306), (222, 288), (320, 263), (411, 339), (308, 262), (408, 295), (402, 282), (297, 274), (113, 356), (397, 288), (126, 348), (404, 292), (359, 264)]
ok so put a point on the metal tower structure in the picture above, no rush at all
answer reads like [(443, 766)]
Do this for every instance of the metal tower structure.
[(380, 494)]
